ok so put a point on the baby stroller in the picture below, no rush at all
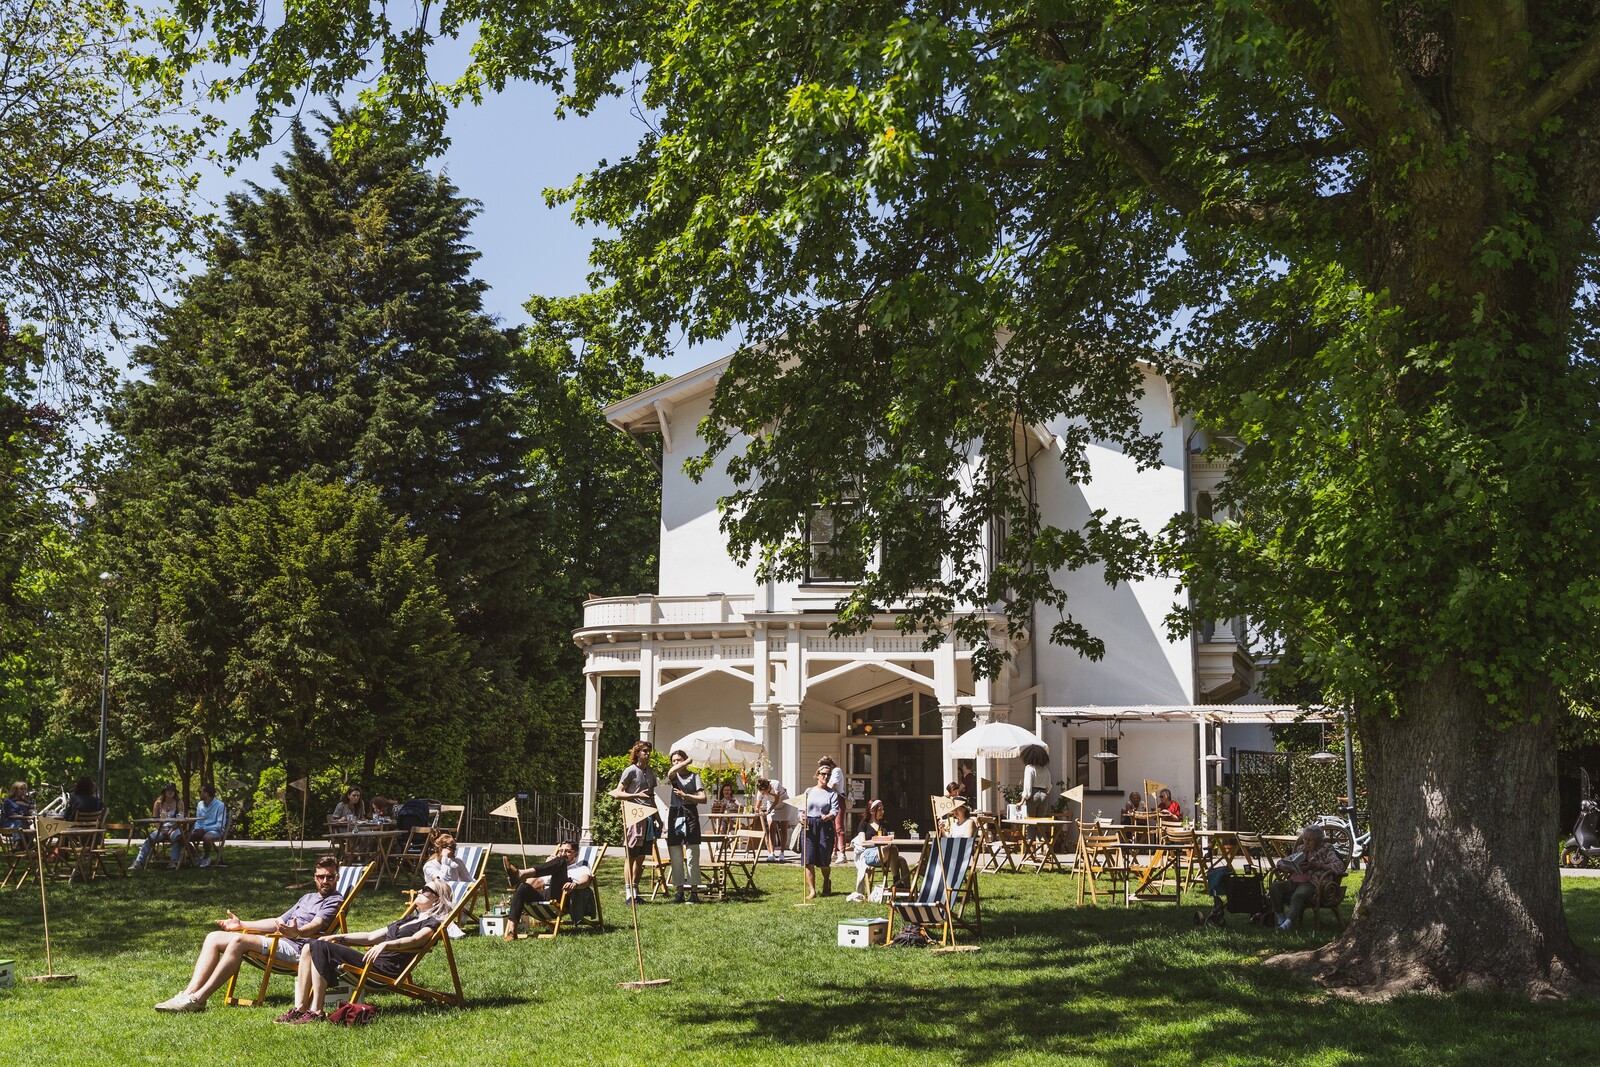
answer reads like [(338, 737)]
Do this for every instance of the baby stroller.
[(1241, 893)]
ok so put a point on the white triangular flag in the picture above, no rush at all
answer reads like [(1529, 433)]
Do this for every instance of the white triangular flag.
[(299, 783), (943, 806), (633, 812), (46, 827), (508, 810), (1075, 794)]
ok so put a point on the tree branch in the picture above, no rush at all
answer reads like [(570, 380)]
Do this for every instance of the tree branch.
[(1540, 102)]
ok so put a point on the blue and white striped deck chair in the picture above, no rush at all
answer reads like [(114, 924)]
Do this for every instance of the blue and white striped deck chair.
[(551, 913), (352, 876), (475, 858), (404, 982), (941, 879)]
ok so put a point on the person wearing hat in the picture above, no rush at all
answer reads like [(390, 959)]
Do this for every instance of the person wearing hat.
[(961, 824), (165, 806), (873, 850)]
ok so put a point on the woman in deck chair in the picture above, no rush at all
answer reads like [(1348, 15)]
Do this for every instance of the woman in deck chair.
[(319, 964)]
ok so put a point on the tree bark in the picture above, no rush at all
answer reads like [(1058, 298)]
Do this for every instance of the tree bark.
[(1464, 889)]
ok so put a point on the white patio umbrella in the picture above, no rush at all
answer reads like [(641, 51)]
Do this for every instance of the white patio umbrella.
[(720, 746), (994, 740)]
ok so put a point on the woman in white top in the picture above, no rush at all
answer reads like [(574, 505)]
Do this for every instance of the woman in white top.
[(770, 797), (442, 862), (962, 824), (1035, 779)]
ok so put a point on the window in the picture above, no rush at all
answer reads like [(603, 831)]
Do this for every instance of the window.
[(826, 559), (1108, 768), (1080, 761)]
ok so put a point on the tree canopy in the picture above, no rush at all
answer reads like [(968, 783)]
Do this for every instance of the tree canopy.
[(1367, 228)]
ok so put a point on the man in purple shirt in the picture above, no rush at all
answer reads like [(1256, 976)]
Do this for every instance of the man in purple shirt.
[(224, 950)]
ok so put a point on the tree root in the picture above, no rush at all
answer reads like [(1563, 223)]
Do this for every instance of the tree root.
[(1346, 971)]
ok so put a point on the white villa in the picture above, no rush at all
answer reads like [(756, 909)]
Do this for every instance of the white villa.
[(712, 646)]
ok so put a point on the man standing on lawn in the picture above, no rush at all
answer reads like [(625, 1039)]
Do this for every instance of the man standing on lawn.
[(224, 950)]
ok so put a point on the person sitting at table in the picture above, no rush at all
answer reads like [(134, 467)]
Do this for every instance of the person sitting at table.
[(165, 806), (320, 963), (1134, 806), (351, 809), (822, 804), (382, 809), (561, 873), (85, 800), (210, 823), (871, 842), (1311, 871), (1168, 807), (725, 804), (770, 797), (18, 807), (683, 827), (969, 781), (223, 951)]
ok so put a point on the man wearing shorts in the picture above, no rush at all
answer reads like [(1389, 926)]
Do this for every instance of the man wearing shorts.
[(224, 949)]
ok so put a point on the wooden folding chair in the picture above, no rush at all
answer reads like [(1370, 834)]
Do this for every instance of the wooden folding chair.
[(742, 857), (994, 851), (404, 982), (351, 878), (1098, 856)]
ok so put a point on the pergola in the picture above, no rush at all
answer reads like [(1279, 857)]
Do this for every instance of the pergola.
[(1206, 719)]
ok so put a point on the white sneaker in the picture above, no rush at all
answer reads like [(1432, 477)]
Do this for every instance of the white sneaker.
[(181, 1002), (203, 861), (855, 898)]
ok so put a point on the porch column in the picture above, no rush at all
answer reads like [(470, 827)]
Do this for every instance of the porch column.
[(1202, 804), (985, 767), (760, 724), (647, 724), (949, 716), (592, 684), (789, 716)]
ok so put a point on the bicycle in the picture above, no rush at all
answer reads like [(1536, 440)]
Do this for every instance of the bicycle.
[(1342, 836)]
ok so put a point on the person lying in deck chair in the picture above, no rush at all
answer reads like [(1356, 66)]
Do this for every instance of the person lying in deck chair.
[(319, 964), (224, 949), (561, 873)]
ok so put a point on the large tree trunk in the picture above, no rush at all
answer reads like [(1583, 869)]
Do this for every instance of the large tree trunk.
[(1464, 889)]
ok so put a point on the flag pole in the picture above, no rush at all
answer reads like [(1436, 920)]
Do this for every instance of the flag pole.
[(44, 912), (634, 813)]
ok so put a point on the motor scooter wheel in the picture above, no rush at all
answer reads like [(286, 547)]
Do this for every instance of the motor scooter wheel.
[(1573, 857)]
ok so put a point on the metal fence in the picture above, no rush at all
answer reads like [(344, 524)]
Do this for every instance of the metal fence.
[(546, 818), (1279, 792)]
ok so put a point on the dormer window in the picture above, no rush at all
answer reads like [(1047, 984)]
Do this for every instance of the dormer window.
[(827, 560)]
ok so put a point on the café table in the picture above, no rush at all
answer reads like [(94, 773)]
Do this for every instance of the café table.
[(181, 823), (1223, 844), (1278, 845), (368, 842), (1148, 868), (1039, 843)]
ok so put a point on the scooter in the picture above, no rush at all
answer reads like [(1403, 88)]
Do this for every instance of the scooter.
[(1583, 847)]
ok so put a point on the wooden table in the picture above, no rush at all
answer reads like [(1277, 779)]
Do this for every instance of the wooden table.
[(1158, 861), (1213, 842), (1039, 850), (1278, 845), (180, 823), (356, 846)]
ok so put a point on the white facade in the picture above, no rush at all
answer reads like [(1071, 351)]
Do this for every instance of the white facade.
[(713, 647)]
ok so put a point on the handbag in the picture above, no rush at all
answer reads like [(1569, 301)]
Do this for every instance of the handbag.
[(353, 1014)]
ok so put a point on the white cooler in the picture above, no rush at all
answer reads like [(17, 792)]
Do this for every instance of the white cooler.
[(863, 933)]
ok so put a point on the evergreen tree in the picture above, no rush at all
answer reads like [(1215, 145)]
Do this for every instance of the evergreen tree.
[(337, 334)]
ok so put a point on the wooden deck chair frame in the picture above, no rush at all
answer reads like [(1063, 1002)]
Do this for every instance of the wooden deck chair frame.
[(355, 876), (1098, 854), (449, 818), (553, 913), (659, 867), (402, 983), (941, 878)]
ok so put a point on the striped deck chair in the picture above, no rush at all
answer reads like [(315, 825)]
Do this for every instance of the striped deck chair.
[(475, 858), (550, 913), (351, 878), (942, 881), (405, 982)]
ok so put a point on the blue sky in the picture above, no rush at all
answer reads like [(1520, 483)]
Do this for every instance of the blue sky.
[(505, 154)]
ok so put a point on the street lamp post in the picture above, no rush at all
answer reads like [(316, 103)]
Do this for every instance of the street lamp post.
[(106, 581)]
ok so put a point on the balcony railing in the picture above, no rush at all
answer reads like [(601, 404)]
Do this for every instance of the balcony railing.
[(627, 611)]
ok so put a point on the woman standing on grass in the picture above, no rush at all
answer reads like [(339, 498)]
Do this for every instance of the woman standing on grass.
[(822, 807)]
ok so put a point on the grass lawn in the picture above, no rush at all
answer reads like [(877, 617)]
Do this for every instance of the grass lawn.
[(755, 982)]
